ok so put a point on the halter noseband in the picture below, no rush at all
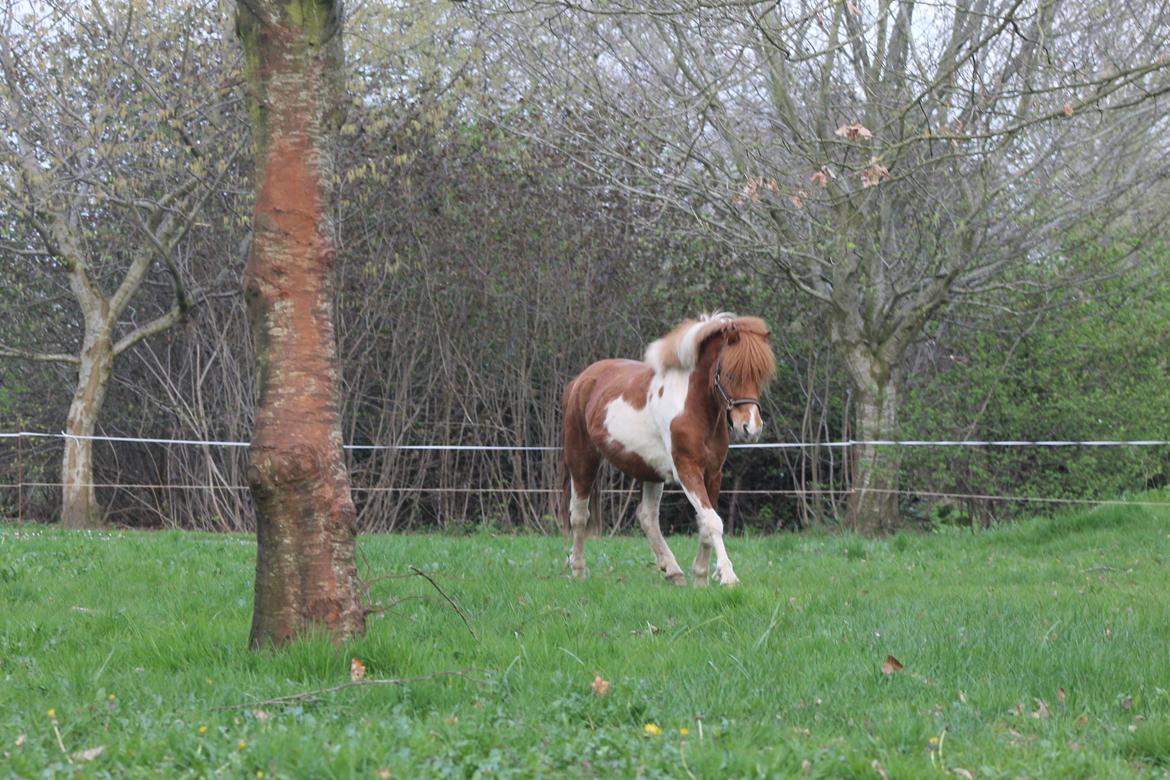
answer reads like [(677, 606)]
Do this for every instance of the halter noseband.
[(730, 403)]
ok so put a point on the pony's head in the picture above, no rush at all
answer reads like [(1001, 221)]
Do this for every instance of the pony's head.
[(745, 367)]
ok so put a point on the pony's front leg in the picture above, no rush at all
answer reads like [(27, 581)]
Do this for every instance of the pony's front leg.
[(710, 529)]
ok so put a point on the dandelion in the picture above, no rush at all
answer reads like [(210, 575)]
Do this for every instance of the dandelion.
[(203, 729), (683, 731), (259, 773), (112, 696), (52, 713), (652, 729), (243, 744)]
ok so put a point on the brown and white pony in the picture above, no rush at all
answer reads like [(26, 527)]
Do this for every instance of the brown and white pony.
[(666, 420)]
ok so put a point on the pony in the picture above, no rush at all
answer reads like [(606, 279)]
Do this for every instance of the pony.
[(666, 419)]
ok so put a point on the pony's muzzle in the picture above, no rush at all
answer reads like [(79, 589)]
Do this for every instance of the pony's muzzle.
[(749, 430)]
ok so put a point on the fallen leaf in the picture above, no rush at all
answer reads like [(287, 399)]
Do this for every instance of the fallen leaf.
[(357, 670), (20, 740), (600, 686), (1041, 711), (958, 770), (805, 767), (891, 665), (1060, 695), (382, 774), (853, 131), (88, 755), (962, 697), (1127, 702), (877, 767), (260, 715), (1082, 719)]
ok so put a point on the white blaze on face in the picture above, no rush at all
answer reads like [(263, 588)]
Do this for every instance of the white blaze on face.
[(646, 431), (755, 422)]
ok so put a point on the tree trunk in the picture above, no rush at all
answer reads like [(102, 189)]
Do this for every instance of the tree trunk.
[(306, 524), (873, 500), (79, 506)]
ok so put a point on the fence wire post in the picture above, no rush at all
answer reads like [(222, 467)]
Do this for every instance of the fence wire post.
[(20, 479)]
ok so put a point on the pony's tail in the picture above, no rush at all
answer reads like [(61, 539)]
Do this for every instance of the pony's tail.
[(593, 526), (563, 500)]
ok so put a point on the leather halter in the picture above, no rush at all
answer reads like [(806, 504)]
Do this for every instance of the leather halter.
[(730, 403)]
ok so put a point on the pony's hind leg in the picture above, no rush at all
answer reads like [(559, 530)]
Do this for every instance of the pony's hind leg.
[(648, 518), (582, 517), (578, 523)]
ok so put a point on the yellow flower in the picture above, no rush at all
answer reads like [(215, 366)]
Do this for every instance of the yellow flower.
[(683, 731), (243, 744), (203, 729), (112, 696), (52, 713), (652, 729), (259, 773)]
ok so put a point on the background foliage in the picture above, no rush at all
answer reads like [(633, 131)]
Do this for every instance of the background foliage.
[(486, 258)]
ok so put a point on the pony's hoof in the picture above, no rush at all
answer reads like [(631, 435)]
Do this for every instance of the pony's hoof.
[(728, 580), (678, 578)]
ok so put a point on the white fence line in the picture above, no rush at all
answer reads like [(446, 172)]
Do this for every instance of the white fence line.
[(518, 448)]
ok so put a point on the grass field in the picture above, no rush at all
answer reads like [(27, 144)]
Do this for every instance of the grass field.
[(1038, 650)]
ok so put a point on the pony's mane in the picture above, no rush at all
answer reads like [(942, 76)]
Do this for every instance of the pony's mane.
[(750, 357)]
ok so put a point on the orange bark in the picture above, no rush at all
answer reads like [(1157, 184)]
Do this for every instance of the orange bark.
[(306, 524)]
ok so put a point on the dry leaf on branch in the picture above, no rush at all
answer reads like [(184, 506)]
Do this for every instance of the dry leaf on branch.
[(873, 175), (822, 177), (891, 665), (853, 131), (1068, 109)]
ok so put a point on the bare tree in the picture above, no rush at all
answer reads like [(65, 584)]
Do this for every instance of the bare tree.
[(105, 137), (884, 157), (306, 574)]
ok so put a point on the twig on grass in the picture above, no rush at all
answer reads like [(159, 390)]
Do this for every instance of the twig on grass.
[(313, 694), (450, 601)]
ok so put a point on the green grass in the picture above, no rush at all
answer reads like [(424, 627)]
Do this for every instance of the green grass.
[(137, 641)]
